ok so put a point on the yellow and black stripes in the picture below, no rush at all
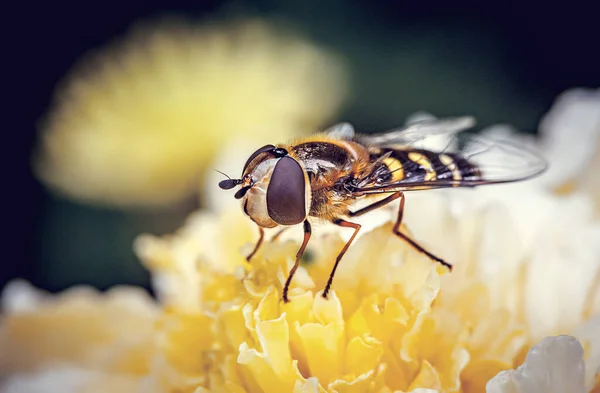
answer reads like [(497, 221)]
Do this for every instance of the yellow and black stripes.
[(418, 165)]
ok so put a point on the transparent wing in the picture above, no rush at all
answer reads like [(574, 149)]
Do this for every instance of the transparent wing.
[(343, 131), (501, 160), (418, 131), (495, 161)]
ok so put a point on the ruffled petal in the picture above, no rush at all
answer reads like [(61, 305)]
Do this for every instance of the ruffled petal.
[(555, 365)]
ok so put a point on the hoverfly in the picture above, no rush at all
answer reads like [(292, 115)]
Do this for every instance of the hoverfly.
[(323, 176)]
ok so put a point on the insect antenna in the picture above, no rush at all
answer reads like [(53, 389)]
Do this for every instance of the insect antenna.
[(222, 173), (229, 183)]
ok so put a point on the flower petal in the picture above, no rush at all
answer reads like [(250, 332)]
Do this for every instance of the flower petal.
[(440, 338), (322, 345), (105, 332), (311, 385), (555, 365), (570, 135), (73, 380), (570, 266), (362, 355), (270, 366), (113, 140), (589, 336)]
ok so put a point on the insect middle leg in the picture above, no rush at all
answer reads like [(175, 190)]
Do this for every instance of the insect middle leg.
[(347, 224), (376, 205), (307, 233)]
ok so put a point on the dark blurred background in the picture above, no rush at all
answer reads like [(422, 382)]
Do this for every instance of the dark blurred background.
[(503, 62)]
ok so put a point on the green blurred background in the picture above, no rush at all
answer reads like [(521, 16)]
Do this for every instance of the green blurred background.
[(503, 62)]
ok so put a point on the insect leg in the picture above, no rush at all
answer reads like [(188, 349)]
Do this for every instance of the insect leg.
[(375, 205), (346, 224), (414, 244), (307, 233), (279, 233), (258, 243)]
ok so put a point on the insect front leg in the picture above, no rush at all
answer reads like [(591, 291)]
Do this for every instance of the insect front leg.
[(414, 244), (279, 233), (258, 243), (346, 224), (307, 233)]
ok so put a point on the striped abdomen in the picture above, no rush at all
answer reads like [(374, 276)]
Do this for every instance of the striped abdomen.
[(416, 165)]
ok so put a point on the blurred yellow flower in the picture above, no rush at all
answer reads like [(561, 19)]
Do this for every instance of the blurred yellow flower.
[(79, 341), (139, 122)]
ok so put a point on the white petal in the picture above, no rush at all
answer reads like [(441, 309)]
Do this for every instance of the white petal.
[(569, 266), (589, 335), (570, 134), (66, 379), (20, 296), (555, 365)]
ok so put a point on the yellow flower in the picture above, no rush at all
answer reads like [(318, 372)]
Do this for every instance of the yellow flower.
[(527, 264), (222, 326), (385, 299), (372, 334), (514, 247), (138, 123), (80, 340)]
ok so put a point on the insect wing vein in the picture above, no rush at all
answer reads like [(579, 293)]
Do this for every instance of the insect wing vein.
[(467, 160)]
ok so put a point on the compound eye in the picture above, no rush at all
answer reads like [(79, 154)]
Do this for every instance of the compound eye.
[(263, 149), (286, 193)]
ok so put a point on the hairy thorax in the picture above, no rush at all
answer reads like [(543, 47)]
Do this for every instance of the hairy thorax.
[(331, 167)]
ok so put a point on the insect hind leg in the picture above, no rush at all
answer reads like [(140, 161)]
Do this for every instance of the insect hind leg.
[(414, 244)]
